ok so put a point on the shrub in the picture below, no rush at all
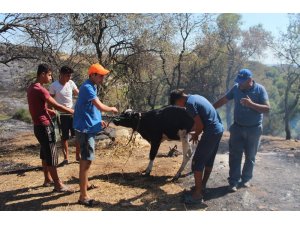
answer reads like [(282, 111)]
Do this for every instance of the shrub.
[(23, 115)]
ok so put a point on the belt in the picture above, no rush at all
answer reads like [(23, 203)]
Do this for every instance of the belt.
[(256, 125)]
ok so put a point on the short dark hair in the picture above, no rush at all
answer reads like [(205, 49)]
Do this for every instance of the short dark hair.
[(43, 68), (175, 95), (66, 70)]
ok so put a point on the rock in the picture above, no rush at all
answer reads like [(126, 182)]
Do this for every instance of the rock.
[(125, 204), (261, 207), (297, 154)]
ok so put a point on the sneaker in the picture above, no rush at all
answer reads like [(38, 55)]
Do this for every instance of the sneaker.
[(246, 184), (232, 188)]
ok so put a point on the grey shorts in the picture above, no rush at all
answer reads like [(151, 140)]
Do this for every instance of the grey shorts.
[(87, 145)]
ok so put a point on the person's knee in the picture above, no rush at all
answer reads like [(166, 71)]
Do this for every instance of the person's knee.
[(85, 164), (197, 165)]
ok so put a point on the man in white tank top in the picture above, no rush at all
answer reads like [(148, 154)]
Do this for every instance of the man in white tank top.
[(63, 90)]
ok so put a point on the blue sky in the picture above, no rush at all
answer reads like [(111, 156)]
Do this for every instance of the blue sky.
[(273, 22)]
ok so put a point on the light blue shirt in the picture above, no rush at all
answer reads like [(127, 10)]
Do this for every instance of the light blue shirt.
[(87, 118), (198, 105), (243, 115)]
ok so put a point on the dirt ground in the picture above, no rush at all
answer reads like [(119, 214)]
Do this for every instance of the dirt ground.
[(120, 186)]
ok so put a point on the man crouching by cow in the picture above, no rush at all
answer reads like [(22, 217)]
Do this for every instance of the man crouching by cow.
[(206, 120)]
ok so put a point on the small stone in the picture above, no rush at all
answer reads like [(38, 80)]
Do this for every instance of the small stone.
[(262, 207), (125, 204)]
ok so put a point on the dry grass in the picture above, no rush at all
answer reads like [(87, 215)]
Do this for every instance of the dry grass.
[(116, 171)]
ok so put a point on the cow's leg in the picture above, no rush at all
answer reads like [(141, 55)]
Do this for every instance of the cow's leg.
[(186, 152), (153, 152)]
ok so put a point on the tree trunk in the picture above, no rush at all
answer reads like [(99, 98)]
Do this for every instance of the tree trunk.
[(288, 135), (228, 85), (228, 115), (287, 112)]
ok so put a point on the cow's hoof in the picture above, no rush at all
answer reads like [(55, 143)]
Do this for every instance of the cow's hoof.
[(145, 174), (174, 179)]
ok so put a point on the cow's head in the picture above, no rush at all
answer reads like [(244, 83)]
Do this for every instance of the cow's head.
[(128, 118)]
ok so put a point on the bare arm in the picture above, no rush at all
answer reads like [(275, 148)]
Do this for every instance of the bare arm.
[(50, 106), (99, 105), (75, 91), (222, 101), (51, 101), (261, 108), (198, 128)]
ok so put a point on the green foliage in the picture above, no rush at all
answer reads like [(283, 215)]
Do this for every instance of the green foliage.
[(23, 115)]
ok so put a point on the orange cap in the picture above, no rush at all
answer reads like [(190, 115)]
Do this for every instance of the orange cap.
[(98, 69)]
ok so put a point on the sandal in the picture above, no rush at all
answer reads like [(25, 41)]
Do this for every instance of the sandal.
[(63, 189), (188, 199), (88, 202), (92, 186), (48, 184)]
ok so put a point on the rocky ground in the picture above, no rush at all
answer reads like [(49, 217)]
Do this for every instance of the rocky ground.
[(117, 173)]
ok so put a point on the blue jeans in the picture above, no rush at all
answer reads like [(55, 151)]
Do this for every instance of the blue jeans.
[(242, 140)]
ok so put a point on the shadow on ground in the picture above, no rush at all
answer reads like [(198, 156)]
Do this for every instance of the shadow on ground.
[(153, 198)]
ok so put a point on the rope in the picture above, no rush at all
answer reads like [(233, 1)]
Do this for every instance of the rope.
[(134, 130)]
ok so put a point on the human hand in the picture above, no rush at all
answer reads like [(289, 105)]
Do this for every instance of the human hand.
[(103, 124), (246, 101), (114, 109), (51, 112), (194, 138)]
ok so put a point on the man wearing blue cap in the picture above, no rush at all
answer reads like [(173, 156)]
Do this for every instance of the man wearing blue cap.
[(250, 102)]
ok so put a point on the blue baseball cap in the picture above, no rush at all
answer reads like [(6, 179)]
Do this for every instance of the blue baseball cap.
[(243, 75)]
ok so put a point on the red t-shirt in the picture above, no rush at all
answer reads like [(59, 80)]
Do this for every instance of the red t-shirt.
[(37, 96)]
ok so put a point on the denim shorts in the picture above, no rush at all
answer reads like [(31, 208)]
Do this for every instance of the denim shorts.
[(206, 151), (87, 145)]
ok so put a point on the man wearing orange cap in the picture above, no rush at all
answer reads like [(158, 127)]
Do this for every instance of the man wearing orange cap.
[(87, 123)]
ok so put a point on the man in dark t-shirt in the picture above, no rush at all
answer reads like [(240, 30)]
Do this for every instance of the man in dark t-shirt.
[(38, 98), (207, 122), (250, 103)]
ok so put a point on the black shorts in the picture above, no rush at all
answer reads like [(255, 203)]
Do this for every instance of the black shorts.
[(65, 124), (206, 151), (46, 137)]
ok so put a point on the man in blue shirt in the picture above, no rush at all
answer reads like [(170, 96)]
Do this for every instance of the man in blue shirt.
[(87, 123), (206, 120), (250, 102)]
